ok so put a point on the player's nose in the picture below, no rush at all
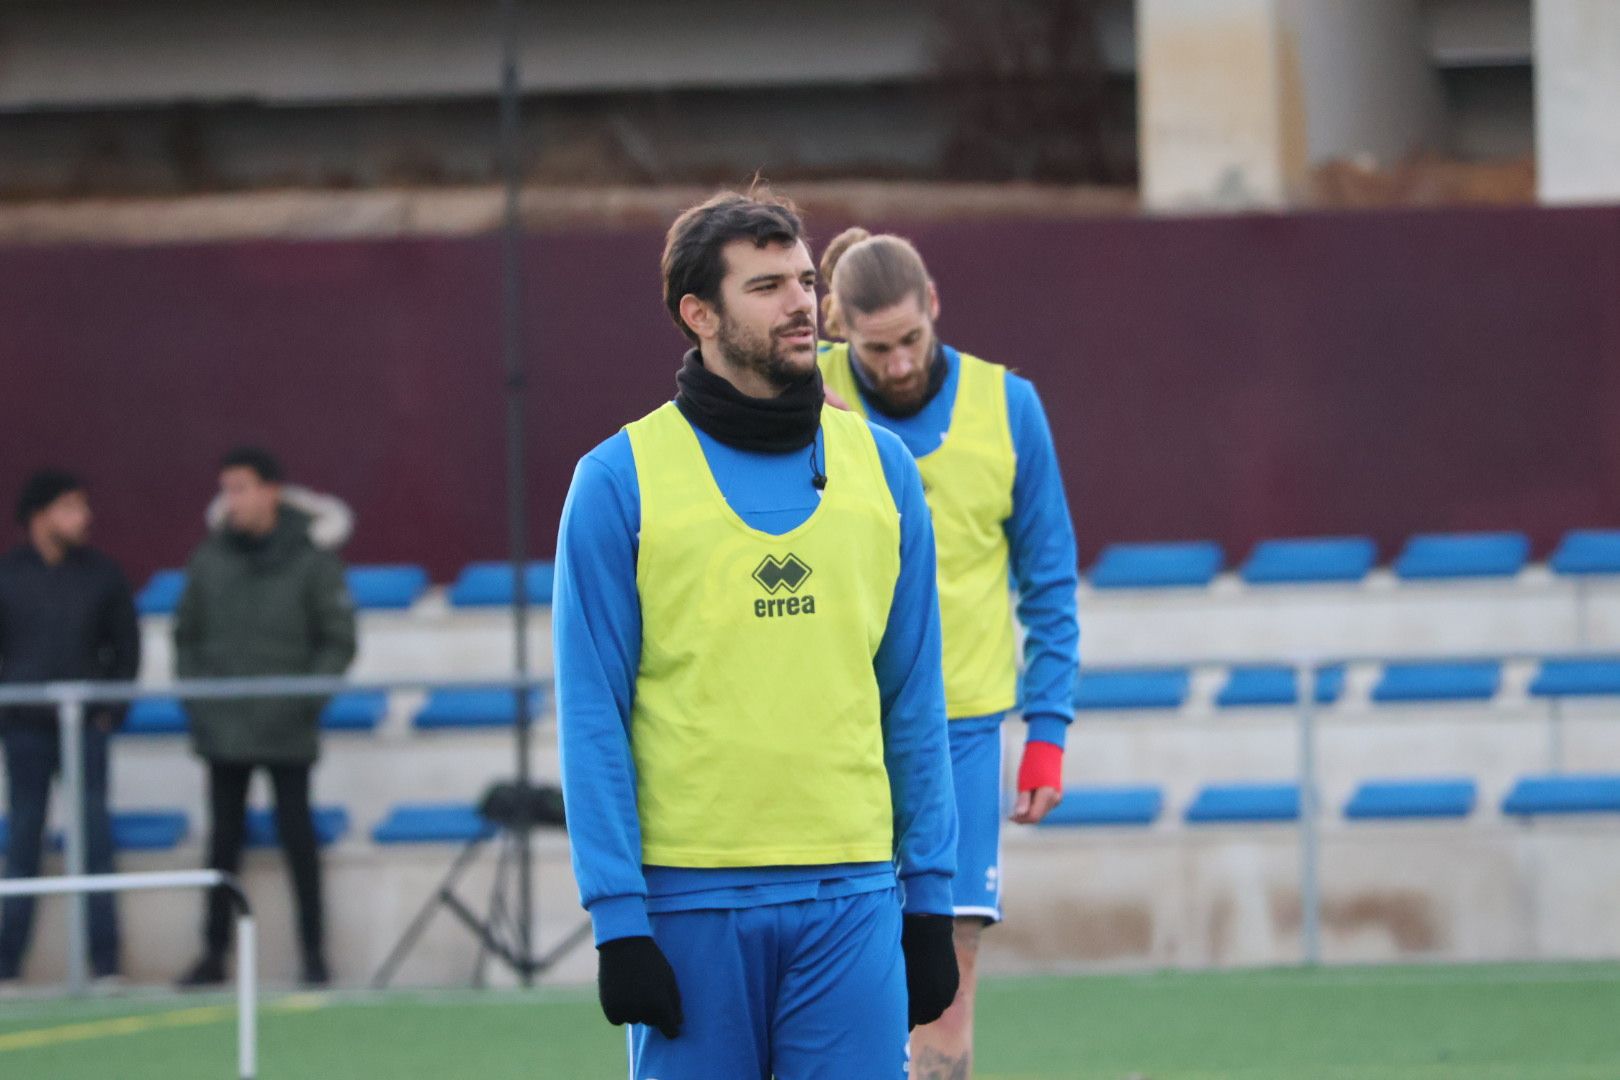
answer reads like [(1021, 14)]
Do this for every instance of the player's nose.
[(801, 298)]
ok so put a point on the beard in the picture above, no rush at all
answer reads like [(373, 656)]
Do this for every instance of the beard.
[(70, 541), (766, 355), (908, 398)]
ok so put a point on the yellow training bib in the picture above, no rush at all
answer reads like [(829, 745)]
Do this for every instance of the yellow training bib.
[(969, 482), (756, 728)]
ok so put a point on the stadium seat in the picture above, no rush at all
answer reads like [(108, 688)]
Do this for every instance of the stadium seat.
[(346, 712), (489, 584), (133, 830), (149, 830), (1329, 559), (161, 594), (1245, 802), (361, 710), (1587, 551), (481, 708), (1465, 681), (1462, 555), (432, 823), (1395, 799), (1577, 678), (1252, 686), (1128, 805), (1590, 793), (331, 825), (1164, 688), (155, 716), (386, 588), (1156, 566)]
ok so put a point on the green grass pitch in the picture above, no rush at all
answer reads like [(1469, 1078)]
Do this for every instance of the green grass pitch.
[(1546, 1022)]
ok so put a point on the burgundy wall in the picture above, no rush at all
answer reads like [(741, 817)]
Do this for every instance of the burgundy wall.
[(1230, 378)]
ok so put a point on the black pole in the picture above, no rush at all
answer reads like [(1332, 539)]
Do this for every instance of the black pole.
[(516, 486)]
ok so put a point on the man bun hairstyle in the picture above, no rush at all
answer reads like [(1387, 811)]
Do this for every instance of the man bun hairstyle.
[(694, 260), (835, 250), (865, 273)]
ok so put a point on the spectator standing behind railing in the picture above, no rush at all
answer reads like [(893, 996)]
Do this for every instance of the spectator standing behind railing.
[(265, 595), (65, 614)]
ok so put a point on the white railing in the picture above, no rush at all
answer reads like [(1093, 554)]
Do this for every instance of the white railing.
[(70, 700), (247, 949)]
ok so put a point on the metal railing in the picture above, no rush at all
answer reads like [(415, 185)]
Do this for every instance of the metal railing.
[(1306, 671), (71, 699), (247, 948)]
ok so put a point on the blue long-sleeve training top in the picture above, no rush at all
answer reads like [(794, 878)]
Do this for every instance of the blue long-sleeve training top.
[(1040, 536), (596, 626)]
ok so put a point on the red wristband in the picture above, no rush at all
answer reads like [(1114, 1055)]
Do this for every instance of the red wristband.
[(1042, 766)]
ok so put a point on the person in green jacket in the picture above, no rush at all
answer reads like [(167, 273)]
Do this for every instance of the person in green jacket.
[(265, 595)]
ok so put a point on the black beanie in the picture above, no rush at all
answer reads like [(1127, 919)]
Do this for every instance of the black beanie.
[(43, 488)]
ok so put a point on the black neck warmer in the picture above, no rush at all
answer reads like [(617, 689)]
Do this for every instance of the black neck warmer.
[(937, 370), (775, 425)]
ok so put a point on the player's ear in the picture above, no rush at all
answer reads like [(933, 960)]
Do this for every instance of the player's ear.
[(700, 316), (933, 302)]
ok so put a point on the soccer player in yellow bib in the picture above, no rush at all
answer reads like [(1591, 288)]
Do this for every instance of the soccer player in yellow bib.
[(750, 697), (991, 474)]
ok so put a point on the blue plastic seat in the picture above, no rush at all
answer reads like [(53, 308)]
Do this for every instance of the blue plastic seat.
[(432, 823), (480, 708), (386, 588), (1254, 686), (1463, 555), (155, 716), (361, 710), (1464, 681), (1124, 805), (1147, 688), (1400, 799), (1157, 566), (1573, 793), (1577, 678), (489, 584), (161, 594), (1587, 551), (1326, 559), (1245, 802), (149, 830), (331, 825)]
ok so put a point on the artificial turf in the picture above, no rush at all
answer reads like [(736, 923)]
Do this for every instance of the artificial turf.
[(1532, 1022)]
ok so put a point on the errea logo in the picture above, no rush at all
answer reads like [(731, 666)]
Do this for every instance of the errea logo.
[(775, 574), (778, 576)]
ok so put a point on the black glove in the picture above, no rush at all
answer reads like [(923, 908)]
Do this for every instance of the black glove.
[(637, 985), (931, 975)]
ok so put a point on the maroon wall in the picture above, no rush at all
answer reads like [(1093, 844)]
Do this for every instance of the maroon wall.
[(1231, 378)]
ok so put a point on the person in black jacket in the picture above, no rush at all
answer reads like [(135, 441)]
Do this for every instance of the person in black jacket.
[(66, 613)]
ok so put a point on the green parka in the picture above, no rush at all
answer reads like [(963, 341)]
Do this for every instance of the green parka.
[(273, 606)]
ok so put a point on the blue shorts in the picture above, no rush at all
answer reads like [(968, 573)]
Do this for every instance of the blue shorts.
[(808, 990), (976, 768)]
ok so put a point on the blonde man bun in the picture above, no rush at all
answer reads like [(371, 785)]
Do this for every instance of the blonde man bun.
[(831, 319)]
